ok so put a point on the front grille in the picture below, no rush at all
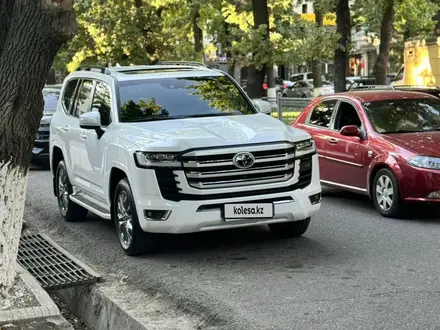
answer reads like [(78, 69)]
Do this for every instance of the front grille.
[(211, 169)]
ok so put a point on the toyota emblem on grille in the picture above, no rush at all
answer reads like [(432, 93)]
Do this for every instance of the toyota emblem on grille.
[(243, 160)]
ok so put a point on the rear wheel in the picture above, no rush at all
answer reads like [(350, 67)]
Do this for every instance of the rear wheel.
[(133, 240), (386, 195), (68, 209), (290, 229)]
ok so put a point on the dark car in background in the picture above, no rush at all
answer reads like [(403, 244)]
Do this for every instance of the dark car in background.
[(40, 152)]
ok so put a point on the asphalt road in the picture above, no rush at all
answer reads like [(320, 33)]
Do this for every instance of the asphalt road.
[(352, 270)]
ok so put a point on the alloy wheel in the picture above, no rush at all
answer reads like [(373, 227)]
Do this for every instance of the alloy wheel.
[(63, 192), (384, 193), (124, 220)]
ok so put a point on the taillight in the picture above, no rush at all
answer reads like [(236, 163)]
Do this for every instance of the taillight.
[(264, 86), (284, 86)]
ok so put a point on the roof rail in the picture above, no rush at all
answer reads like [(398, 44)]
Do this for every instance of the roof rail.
[(102, 69), (185, 63)]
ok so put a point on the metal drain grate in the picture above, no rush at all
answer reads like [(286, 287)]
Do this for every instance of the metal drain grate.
[(51, 265)]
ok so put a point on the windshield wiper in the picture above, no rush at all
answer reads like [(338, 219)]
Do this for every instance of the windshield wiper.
[(210, 115), (402, 131), (155, 118), (140, 119)]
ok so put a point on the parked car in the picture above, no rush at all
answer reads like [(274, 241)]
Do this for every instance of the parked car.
[(177, 149), (303, 76), (362, 81), (40, 151), (305, 89), (280, 85), (384, 144)]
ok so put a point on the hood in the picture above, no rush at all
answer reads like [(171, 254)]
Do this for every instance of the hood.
[(182, 134), (426, 143)]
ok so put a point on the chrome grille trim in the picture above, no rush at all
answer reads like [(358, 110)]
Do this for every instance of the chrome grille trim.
[(214, 168)]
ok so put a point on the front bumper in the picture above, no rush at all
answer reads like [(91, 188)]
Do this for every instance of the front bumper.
[(420, 185), (205, 214)]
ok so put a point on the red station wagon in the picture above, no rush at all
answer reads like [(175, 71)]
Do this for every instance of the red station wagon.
[(384, 144)]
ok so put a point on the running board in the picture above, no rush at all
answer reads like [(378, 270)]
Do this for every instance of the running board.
[(91, 206)]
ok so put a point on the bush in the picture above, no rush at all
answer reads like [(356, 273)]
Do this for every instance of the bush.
[(288, 115)]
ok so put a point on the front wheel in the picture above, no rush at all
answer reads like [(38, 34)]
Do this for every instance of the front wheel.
[(386, 194), (290, 229), (133, 240), (68, 209)]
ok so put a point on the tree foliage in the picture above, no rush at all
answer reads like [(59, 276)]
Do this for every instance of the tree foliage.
[(141, 32), (413, 18)]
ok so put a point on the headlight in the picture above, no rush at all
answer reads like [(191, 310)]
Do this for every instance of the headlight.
[(305, 147), (156, 159), (425, 162)]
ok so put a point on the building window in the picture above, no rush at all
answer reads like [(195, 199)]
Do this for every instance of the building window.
[(304, 8)]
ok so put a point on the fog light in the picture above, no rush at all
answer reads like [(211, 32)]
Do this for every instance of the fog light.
[(315, 199), (156, 215), (434, 195)]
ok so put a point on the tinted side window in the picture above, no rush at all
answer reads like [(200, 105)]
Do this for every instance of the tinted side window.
[(322, 113), (69, 94), (309, 76), (102, 102), (84, 98)]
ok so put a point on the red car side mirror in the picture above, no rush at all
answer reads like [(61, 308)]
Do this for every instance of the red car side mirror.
[(350, 130)]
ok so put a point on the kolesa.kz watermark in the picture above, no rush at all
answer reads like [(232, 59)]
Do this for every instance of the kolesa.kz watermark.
[(248, 210)]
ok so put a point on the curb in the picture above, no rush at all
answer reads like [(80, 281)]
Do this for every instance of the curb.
[(96, 309), (46, 308)]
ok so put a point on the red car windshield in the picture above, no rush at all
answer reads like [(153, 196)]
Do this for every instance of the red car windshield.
[(404, 115)]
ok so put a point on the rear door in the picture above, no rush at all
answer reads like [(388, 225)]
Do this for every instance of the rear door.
[(318, 124)]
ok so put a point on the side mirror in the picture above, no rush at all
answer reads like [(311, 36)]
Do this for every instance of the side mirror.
[(90, 120), (350, 130), (262, 106)]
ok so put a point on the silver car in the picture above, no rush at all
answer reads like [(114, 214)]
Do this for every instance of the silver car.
[(304, 89)]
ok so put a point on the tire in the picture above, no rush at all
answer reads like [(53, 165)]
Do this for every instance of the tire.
[(69, 210), (132, 239), (386, 178), (290, 229)]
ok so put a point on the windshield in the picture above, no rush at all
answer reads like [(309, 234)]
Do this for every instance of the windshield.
[(50, 100), (404, 115), (173, 98)]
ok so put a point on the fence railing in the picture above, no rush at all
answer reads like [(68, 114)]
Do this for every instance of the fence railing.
[(287, 109)]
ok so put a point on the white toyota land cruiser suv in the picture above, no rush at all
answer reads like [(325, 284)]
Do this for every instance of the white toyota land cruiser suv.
[(177, 149)]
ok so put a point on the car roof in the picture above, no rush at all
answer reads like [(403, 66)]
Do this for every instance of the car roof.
[(383, 95)]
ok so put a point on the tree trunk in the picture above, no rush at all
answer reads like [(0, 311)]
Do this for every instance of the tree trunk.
[(342, 51), (51, 79), (386, 30), (256, 76), (36, 31), (316, 63), (197, 31)]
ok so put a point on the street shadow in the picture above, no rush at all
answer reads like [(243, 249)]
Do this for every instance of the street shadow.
[(415, 212), (252, 246), (39, 166)]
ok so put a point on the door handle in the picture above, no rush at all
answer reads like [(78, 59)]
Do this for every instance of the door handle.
[(65, 128), (332, 141), (83, 136)]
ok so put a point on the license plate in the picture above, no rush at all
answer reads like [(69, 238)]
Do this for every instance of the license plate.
[(248, 211)]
